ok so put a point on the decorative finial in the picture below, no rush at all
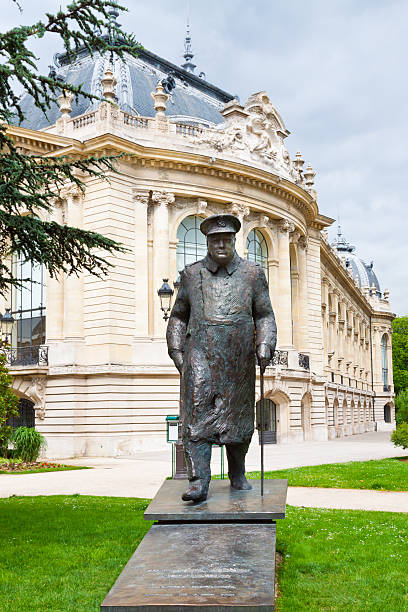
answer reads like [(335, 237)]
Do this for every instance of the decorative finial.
[(188, 51), (309, 175), (298, 162), (65, 103), (160, 99), (108, 85)]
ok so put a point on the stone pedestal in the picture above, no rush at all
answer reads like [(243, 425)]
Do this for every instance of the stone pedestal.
[(217, 555)]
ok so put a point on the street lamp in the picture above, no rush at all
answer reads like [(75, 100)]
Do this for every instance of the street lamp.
[(177, 283), (6, 324), (165, 294)]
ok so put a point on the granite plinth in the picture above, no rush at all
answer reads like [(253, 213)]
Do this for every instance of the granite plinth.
[(217, 567), (223, 503)]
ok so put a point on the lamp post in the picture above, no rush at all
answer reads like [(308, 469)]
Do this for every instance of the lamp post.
[(165, 294), (6, 325), (177, 283)]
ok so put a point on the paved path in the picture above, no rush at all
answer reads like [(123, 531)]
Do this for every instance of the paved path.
[(348, 499), (141, 475)]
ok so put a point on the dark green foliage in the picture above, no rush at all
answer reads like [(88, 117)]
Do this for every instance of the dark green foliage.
[(28, 442), (30, 183), (401, 407), (400, 435), (400, 353), (8, 405)]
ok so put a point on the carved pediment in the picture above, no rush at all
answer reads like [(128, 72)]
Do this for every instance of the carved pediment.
[(256, 132)]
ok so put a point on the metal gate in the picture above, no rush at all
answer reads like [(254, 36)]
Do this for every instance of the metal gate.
[(26, 417), (269, 421)]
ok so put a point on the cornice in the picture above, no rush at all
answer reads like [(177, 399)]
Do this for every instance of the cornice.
[(40, 142), (335, 266), (241, 173)]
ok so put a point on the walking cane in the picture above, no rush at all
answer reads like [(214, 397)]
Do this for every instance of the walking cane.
[(262, 431)]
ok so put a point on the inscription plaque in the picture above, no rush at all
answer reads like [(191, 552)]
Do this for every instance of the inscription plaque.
[(167, 572)]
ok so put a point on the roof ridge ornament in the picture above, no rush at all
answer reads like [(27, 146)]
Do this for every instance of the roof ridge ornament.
[(188, 50)]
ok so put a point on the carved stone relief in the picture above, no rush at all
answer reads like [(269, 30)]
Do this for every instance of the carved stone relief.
[(36, 392)]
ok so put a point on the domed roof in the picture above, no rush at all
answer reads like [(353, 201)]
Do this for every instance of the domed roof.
[(192, 98), (364, 272)]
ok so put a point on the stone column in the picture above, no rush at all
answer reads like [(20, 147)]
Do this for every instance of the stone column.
[(55, 291), (240, 242), (284, 310), (73, 285), (303, 303), (141, 199), (161, 200)]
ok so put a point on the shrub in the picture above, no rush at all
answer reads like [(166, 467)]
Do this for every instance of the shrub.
[(8, 405), (400, 435), (28, 443), (401, 407)]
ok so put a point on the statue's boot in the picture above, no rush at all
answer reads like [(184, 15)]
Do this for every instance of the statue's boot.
[(236, 465), (238, 481), (197, 491)]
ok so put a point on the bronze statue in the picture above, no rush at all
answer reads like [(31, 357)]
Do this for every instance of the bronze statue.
[(221, 319)]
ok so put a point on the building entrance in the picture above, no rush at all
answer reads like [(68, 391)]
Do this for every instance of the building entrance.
[(269, 421)]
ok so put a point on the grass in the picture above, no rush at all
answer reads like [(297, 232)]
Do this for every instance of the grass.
[(343, 560), (381, 474), (64, 553)]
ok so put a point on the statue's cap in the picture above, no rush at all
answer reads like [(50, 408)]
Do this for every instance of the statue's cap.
[(220, 224)]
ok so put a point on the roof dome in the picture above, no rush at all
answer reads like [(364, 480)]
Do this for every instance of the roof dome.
[(192, 99), (364, 272)]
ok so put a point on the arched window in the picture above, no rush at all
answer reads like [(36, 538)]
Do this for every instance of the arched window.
[(384, 361), (192, 244), (258, 249), (28, 308)]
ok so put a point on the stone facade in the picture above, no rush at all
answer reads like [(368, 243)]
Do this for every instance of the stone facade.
[(109, 383)]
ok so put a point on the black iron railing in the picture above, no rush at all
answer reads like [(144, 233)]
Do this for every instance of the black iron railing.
[(27, 355), (280, 358), (304, 361)]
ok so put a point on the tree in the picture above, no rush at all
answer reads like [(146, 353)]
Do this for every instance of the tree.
[(400, 436), (30, 183), (401, 407), (8, 405), (400, 353)]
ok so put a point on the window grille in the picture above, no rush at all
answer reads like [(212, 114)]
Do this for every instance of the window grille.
[(28, 305), (192, 244), (258, 250)]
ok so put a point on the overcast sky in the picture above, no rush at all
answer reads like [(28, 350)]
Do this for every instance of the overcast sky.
[(336, 72)]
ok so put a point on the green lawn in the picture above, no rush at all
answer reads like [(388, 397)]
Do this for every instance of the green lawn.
[(381, 474), (64, 553)]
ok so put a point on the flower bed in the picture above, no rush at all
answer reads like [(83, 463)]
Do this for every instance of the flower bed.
[(17, 466)]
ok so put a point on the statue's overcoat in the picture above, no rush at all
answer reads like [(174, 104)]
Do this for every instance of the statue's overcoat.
[(219, 317)]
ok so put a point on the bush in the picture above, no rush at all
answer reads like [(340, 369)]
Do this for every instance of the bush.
[(401, 407), (400, 435), (28, 443), (8, 405)]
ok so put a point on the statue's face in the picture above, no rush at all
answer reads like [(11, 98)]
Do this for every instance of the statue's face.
[(221, 247)]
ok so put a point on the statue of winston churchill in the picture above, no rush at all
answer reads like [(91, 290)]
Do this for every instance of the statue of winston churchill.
[(221, 322)]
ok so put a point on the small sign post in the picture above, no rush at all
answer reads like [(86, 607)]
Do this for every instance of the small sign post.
[(172, 423)]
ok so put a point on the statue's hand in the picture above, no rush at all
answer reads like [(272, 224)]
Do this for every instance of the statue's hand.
[(263, 353), (177, 357)]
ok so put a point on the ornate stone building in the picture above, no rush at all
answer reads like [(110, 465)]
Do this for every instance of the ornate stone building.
[(89, 355)]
